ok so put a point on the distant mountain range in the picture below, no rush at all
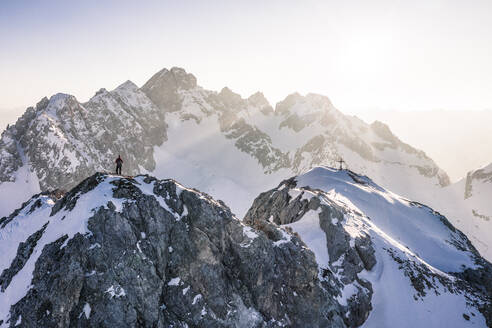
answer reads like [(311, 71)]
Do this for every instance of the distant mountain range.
[(211, 140), (220, 143)]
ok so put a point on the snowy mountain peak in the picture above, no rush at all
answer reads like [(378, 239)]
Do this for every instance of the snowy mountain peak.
[(183, 79), (258, 101), (230, 98), (61, 103), (383, 256), (258, 98), (163, 87), (176, 78), (127, 86), (304, 105)]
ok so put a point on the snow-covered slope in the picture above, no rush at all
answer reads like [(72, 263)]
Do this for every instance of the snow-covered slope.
[(214, 141), (468, 205), (396, 263)]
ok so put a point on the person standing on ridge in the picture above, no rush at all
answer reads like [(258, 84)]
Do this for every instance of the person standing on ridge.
[(119, 163)]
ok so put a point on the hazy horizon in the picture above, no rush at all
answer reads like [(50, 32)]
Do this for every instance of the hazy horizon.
[(382, 55), (458, 141)]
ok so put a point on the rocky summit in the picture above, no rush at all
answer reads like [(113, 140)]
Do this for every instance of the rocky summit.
[(142, 252), (388, 261)]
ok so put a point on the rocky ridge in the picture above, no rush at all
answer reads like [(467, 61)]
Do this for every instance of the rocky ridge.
[(143, 252)]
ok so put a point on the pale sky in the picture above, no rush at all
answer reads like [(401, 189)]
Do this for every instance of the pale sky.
[(383, 54)]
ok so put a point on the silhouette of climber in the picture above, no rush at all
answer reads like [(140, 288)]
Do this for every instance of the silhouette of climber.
[(119, 163)]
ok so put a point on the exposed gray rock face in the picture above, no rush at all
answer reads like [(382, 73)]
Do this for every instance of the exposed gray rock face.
[(163, 87), (23, 253), (161, 255), (279, 207)]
